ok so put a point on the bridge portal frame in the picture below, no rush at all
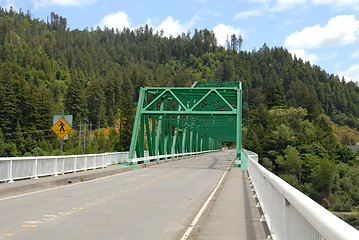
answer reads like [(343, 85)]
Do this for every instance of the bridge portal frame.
[(188, 119)]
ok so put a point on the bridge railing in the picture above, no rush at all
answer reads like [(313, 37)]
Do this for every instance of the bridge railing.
[(15, 168), (289, 213), (166, 156)]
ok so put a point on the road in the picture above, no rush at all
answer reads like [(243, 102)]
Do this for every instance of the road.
[(152, 203)]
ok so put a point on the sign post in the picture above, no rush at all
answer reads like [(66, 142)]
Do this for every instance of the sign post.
[(61, 127)]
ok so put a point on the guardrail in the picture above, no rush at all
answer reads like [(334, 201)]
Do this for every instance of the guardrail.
[(289, 213), (34, 167), (176, 155)]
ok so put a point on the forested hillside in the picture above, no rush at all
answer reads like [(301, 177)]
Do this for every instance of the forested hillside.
[(96, 76)]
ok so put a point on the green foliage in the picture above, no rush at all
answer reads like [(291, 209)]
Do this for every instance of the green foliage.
[(8, 100), (310, 163), (323, 176), (314, 149), (10, 150), (291, 163), (274, 94), (354, 194), (267, 163), (342, 202), (346, 155), (304, 153), (313, 193), (277, 128), (291, 179), (75, 99), (2, 144), (37, 152)]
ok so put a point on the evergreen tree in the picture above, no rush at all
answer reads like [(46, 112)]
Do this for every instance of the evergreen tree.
[(127, 113), (274, 95), (8, 101), (95, 102), (2, 144), (74, 99)]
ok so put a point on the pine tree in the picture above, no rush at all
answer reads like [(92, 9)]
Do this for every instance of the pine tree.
[(274, 95), (127, 112), (74, 99), (95, 103), (2, 143), (8, 101)]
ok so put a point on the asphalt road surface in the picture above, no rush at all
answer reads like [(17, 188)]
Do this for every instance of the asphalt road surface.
[(153, 203)]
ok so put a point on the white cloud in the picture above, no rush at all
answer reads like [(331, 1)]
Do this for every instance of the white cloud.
[(75, 3), (340, 30), (222, 32), (250, 13), (118, 20), (171, 27), (301, 53), (351, 74)]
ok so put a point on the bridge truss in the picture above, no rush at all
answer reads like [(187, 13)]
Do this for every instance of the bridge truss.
[(177, 119)]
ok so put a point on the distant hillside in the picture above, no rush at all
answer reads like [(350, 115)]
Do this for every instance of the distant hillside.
[(96, 75)]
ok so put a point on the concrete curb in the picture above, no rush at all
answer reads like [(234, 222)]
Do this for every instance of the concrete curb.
[(20, 187)]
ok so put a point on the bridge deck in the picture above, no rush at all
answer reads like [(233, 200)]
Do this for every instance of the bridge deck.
[(234, 214), (154, 203)]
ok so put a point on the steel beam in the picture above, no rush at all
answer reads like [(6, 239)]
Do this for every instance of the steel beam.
[(188, 119)]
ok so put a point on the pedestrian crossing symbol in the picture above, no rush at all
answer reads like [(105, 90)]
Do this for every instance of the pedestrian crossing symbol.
[(61, 128)]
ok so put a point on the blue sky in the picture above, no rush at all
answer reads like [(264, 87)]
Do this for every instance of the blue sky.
[(324, 32)]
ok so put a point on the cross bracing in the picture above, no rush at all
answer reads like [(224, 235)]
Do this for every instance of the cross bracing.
[(177, 119)]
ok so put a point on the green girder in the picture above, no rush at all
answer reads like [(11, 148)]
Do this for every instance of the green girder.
[(190, 119)]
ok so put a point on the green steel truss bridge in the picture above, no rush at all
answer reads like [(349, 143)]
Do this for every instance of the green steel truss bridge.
[(169, 121), (173, 120)]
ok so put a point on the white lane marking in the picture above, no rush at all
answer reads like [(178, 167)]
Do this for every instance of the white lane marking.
[(199, 214), (32, 222)]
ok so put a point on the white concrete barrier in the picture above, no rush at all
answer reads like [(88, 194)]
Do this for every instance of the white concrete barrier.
[(290, 214), (14, 168)]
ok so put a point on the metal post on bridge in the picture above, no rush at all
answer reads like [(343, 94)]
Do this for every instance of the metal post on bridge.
[(242, 162)]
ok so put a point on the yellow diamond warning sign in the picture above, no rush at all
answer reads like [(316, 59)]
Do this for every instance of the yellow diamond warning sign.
[(61, 128)]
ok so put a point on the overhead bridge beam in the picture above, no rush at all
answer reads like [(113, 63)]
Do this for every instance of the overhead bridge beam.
[(173, 120)]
